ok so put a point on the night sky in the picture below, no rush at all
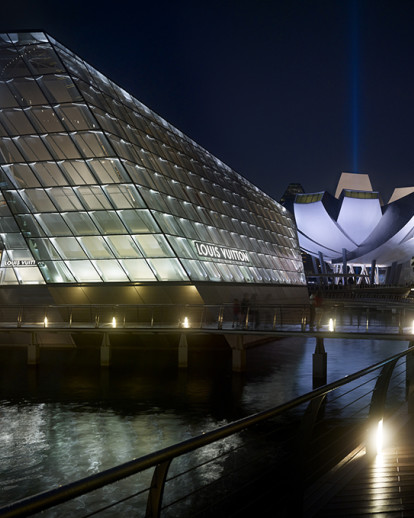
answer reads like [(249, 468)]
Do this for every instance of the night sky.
[(281, 91)]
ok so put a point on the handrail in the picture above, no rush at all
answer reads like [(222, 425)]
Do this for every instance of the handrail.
[(343, 317), (161, 459)]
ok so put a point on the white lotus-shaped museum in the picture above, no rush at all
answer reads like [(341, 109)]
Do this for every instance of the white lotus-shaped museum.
[(353, 229)]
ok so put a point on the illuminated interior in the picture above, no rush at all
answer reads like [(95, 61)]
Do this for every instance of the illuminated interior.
[(97, 188)]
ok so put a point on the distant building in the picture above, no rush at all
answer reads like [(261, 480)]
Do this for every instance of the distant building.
[(99, 191), (353, 237)]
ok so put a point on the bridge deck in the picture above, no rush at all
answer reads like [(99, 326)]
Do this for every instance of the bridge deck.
[(381, 487)]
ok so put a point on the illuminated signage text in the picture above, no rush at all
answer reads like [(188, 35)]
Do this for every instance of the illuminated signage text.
[(221, 252)]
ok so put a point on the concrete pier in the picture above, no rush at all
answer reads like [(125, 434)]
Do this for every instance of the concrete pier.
[(319, 364), (183, 352), (106, 351), (33, 350)]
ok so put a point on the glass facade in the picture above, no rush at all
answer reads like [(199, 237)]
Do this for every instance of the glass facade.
[(95, 187)]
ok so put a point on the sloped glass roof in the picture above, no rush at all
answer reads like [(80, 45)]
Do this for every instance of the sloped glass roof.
[(96, 187)]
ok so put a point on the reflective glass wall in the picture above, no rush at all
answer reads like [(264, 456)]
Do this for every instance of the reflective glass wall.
[(95, 187)]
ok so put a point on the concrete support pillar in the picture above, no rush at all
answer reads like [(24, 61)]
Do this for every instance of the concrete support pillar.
[(183, 352), (409, 380), (33, 351), (319, 365), (238, 352), (106, 351)]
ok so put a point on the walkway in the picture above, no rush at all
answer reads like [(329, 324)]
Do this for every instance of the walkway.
[(382, 486)]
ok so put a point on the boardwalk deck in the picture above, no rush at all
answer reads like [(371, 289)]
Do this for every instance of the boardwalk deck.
[(382, 486)]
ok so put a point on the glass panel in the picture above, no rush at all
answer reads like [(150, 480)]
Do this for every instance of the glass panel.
[(7, 276), (9, 152), (27, 37), (29, 226), (7, 98), (61, 146), (108, 222), (27, 91), (182, 247), (16, 122), (138, 270), (37, 200), (83, 271), (12, 64), (138, 221), (124, 196), (21, 175), (168, 223), (45, 119), (29, 275), (123, 246), (32, 148), (68, 248), (108, 170), (92, 144), (80, 223), (42, 249), (5, 41), (14, 241), (53, 224), (64, 198), (77, 172), (59, 89), (139, 175), (96, 247), (168, 270), (213, 273), (8, 224), (76, 117), (154, 245), (93, 198), (189, 229), (49, 174), (110, 271), (42, 60), (195, 270), (15, 202), (56, 271)]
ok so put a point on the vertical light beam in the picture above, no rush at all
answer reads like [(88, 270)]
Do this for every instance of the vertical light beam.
[(354, 86)]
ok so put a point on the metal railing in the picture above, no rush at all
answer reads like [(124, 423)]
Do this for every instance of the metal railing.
[(269, 457), (370, 317)]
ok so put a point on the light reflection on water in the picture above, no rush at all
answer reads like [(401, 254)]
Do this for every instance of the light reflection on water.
[(68, 418)]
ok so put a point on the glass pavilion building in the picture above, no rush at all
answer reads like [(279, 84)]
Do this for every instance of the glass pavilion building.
[(99, 191)]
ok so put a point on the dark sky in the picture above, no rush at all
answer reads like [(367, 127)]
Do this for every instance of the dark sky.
[(281, 91)]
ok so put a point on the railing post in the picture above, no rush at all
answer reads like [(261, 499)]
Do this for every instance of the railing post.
[(319, 364), (156, 490), (409, 380)]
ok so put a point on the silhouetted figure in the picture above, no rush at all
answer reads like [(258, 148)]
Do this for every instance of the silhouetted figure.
[(236, 313)]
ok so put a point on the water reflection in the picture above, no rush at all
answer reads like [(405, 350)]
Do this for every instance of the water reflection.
[(68, 418)]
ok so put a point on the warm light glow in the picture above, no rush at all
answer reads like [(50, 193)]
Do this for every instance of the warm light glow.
[(380, 437), (331, 325), (113, 322), (186, 323), (412, 328), (45, 321)]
